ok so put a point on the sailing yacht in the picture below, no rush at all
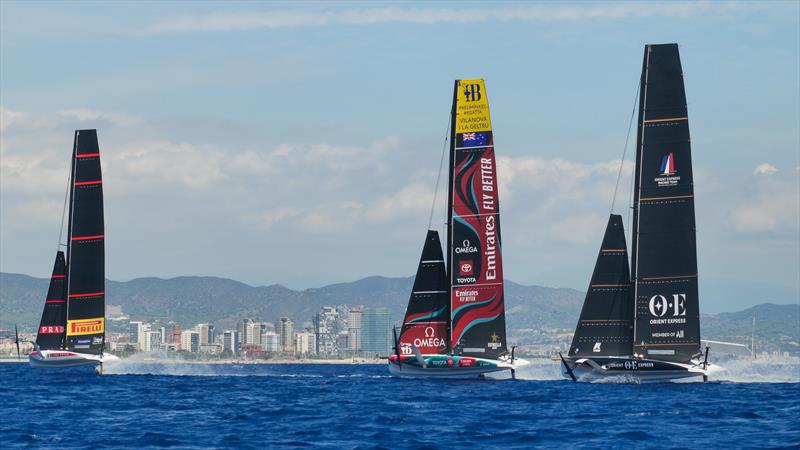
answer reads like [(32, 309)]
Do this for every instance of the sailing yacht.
[(72, 329), (454, 324), (643, 322)]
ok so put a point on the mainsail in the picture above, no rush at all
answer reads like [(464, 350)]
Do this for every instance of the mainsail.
[(664, 263), (86, 249), (605, 327), (475, 265), (50, 335), (426, 320)]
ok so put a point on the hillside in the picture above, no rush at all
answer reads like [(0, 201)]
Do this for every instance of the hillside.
[(190, 300)]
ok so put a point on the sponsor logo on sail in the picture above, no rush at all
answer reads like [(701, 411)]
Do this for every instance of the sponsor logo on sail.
[(491, 248), (51, 329), (466, 247), (667, 311), (596, 348), (495, 344), (667, 175), (465, 268), (85, 326), (430, 340), (472, 92), (467, 296)]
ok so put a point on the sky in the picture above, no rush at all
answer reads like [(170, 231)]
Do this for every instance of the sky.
[(299, 143)]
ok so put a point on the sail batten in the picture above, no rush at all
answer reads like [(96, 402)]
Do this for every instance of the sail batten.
[(664, 263)]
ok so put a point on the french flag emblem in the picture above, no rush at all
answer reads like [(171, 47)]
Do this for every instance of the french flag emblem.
[(668, 165)]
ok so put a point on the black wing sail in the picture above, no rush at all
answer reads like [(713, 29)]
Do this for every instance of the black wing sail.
[(664, 263), (86, 251), (427, 315), (605, 327), (50, 335)]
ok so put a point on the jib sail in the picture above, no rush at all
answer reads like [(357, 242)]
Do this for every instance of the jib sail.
[(86, 249), (427, 314), (475, 263), (50, 335), (664, 264), (605, 327)]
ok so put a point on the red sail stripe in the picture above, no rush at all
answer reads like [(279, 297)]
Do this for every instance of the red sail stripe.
[(57, 277), (54, 301), (86, 238), (87, 155), (86, 183), (90, 294)]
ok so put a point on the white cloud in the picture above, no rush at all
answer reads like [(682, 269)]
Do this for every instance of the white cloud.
[(9, 117), (579, 229), (88, 115), (236, 21), (771, 204), (765, 169)]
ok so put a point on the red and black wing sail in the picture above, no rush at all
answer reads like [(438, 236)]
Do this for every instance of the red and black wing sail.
[(50, 335), (605, 327), (664, 262), (428, 312), (475, 264), (86, 252)]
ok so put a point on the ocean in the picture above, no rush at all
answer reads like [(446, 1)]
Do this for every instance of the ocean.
[(151, 404)]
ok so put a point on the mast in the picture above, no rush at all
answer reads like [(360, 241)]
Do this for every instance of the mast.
[(71, 189), (450, 167), (664, 259), (85, 330), (476, 268)]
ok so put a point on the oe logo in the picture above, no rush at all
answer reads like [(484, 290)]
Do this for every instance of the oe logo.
[(659, 305)]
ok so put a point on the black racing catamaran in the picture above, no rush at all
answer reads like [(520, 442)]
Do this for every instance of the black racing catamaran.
[(645, 324), (455, 319), (72, 329)]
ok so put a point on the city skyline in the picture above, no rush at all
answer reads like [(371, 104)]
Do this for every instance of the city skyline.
[(339, 159)]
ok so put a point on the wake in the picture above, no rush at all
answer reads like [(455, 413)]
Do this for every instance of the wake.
[(777, 370)]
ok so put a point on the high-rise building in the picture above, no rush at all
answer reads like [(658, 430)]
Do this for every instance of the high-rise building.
[(230, 341), (152, 341), (354, 328), (134, 330), (244, 326), (190, 341), (305, 343), (326, 327), (175, 335), (206, 331), (376, 331), (285, 329), (271, 342)]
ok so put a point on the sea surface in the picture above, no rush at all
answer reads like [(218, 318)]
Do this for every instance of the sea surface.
[(152, 404)]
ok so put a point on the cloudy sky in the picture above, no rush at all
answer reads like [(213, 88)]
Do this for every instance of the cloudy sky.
[(299, 143)]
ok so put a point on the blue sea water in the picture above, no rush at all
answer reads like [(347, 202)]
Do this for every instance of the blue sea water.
[(360, 406)]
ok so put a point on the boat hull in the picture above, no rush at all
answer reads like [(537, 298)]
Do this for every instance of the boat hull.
[(66, 358), (633, 370), (449, 366)]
